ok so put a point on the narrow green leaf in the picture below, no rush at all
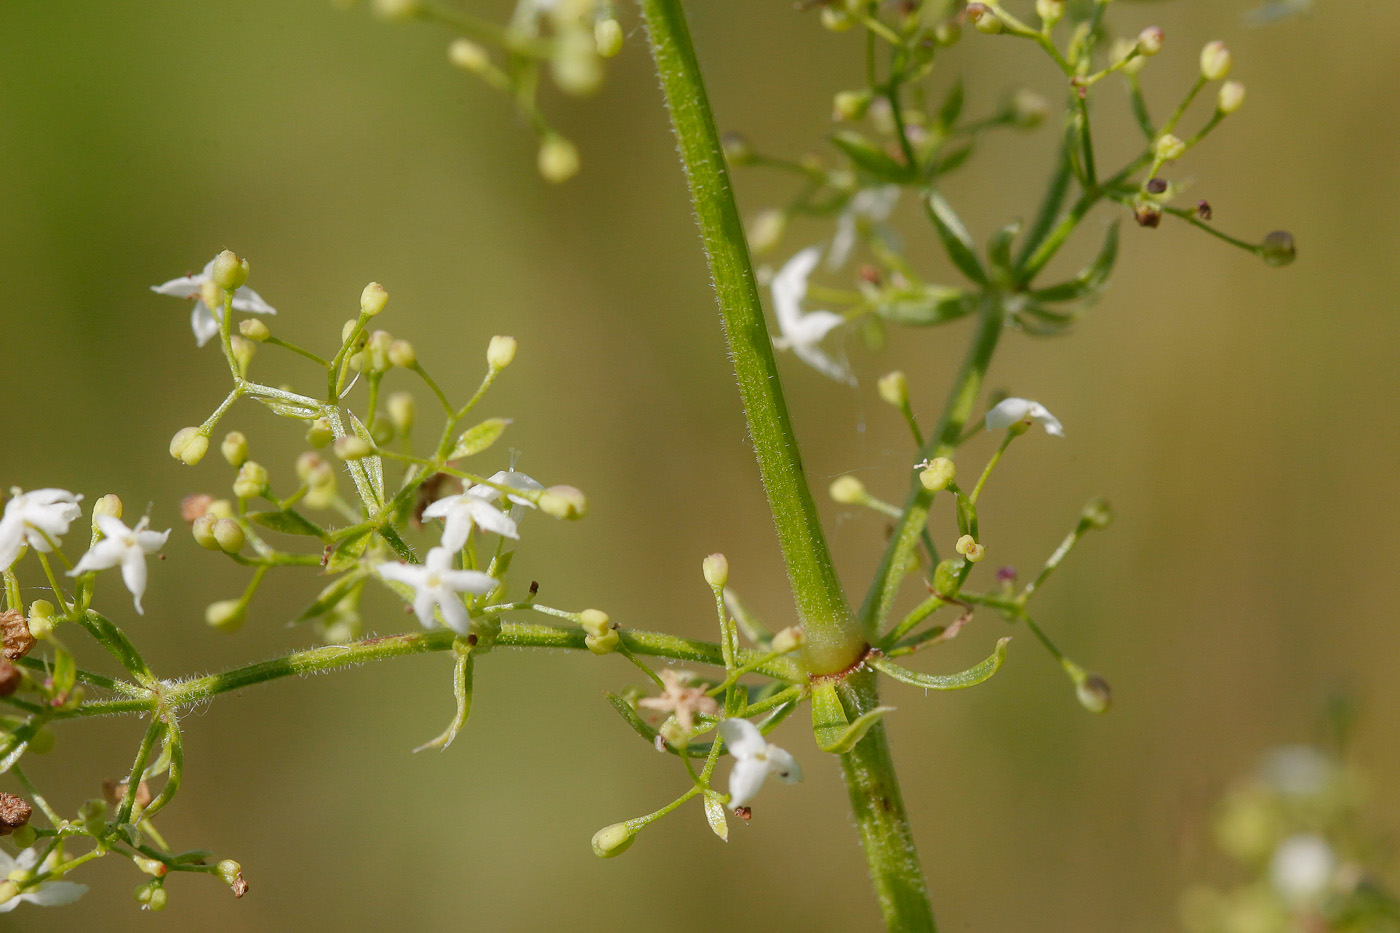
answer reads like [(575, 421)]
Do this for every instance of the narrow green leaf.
[(65, 672), (968, 678), (1050, 206), (936, 304), (870, 157), (288, 522), (289, 409), (461, 690), (999, 248), (1091, 279), (331, 595), (952, 106), (714, 813), (478, 437), (373, 466), (856, 731), (955, 237), (344, 555), (952, 159)]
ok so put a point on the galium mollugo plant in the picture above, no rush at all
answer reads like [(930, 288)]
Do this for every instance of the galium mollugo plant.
[(361, 506)]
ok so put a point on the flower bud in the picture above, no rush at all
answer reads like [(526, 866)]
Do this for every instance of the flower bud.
[(312, 469), (189, 446), (847, 490), (716, 568), (602, 644), (234, 448), (1028, 109), (612, 840), (377, 351), (947, 32), (348, 328), (203, 530), (575, 65), (232, 874), (226, 615), (607, 37), (149, 865), (372, 301), (1278, 248), (595, 622), (109, 505), (850, 105), (1215, 61), (1122, 55), (401, 411), (1150, 40), (1231, 97), (500, 352), (1169, 147), (836, 19), (766, 229), (558, 159), (563, 502), (937, 474), (351, 447), (984, 18), (254, 329), (1050, 11), (220, 508), (151, 896), (968, 547), (9, 890), (894, 389), (243, 351), (397, 10), (251, 480), (468, 56), (320, 433), (92, 813), (402, 354), (1098, 513), (1094, 694), (212, 295), (229, 272), (737, 148), (789, 639), (41, 619), (228, 534)]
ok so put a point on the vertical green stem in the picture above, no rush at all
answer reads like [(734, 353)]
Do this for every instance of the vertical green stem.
[(834, 640)]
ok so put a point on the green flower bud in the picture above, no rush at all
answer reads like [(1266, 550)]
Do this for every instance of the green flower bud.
[(320, 433), (602, 644), (563, 502), (251, 480), (232, 874), (575, 65), (558, 159), (1278, 248), (468, 56), (377, 351), (938, 473), (243, 351), (228, 534), (1050, 11), (151, 896), (149, 865), (397, 10), (349, 326), (42, 619), (607, 37), (350, 447), (1027, 109), (372, 301), (947, 32), (189, 446), (312, 468), (254, 329), (984, 18), (234, 448), (1149, 41), (1231, 97), (229, 272), (1098, 513), (500, 352), (1122, 55), (968, 547), (737, 148), (226, 615), (401, 411), (716, 568), (612, 840), (109, 505), (850, 105), (595, 622), (401, 353), (894, 388), (1169, 147), (220, 508), (203, 530), (1094, 694), (847, 490), (1215, 61), (789, 639)]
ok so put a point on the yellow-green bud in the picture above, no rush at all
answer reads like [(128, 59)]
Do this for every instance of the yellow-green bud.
[(232, 874), (558, 159), (938, 473), (716, 568), (320, 433), (1278, 248), (109, 505), (1098, 513), (348, 328), (312, 469), (396, 10), (211, 294), (468, 56), (229, 535), (1094, 694), (401, 353), (847, 490), (226, 615), (984, 18), (23, 836), (947, 32), (1120, 55), (229, 272), (149, 865), (737, 148), (575, 65), (1050, 11), (850, 105), (766, 229), (220, 508), (401, 411), (254, 329), (968, 547), (321, 496), (894, 388), (500, 352), (1149, 41), (9, 890), (377, 351), (243, 351), (41, 619), (563, 502), (251, 480), (602, 644), (151, 896), (789, 639), (1169, 147), (1028, 109), (372, 301), (674, 733), (189, 446), (1215, 61), (612, 840), (350, 447), (595, 622), (234, 448), (92, 813), (607, 37), (836, 19), (203, 530), (1231, 97)]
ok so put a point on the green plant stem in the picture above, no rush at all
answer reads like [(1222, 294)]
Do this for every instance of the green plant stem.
[(834, 640)]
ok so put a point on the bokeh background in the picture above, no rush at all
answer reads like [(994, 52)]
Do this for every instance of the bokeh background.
[(1241, 419)]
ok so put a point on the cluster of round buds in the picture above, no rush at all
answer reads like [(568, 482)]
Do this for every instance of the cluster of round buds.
[(968, 547), (600, 632)]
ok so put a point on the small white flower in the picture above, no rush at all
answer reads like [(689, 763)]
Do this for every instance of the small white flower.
[(871, 205), (1009, 411), (436, 585), (514, 480), (47, 893), (754, 759), (125, 546), (1302, 868), (801, 332), (467, 510), (39, 518), (204, 320)]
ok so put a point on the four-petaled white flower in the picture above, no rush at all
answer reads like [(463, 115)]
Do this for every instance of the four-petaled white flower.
[(125, 546), (801, 332), (870, 205), (436, 584), (754, 759), (473, 508), (38, 518), (204, 320), (514, 480), (1009, 411), (46, 893)]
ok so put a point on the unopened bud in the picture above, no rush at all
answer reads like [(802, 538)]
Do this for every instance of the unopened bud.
[(396, 10), (189, 446), (1028, 109), (234, 448), (602, 644), (226, 615), (232, 874), (372, 300), (251, 480), (229, 535), (1098, 513), (968, 547), (109, 505), (42, 618), (847, 490), (402, 354), (203, 530), (612, 840), (149, 865), (351, 447), (737, 148), (575, 65), (789, 639), (254, 329), (766, 229), (1278, 248), (894, 389), (1231, 97), (468, 56), (220, 508), (1215, 61), (563, 502), (229, 272), (674, 734), (850, 105), (1169, 147), (607, 37), (945, 576), (320, 433), (377, 351), (558, 159), (1094, 694), (151, 896), (500, 352), (716, 568), (1150, 40), (983, 17), (1050, 11), (243, 352), (92, 813), (937, 474), (212, 295), (1124, 55), (595, 622), (947, 32), (401, 411)]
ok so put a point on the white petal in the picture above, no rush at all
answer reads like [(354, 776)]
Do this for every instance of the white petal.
[(152, 541), (1302, 867), (492, 519), (11, 539), (423, 605), (441, 508), (742, 737), (410, 574), (245, 299), (203, 324), (439, 559), (456, 529), (1009, 411), (783, 765), (745, 779), (790, 286), (134, 575), (816, 358), (186, 286), (468, 581), (109, 526), (7, 863), (454, 613), (104, 554), (56, 893), (26, 860)]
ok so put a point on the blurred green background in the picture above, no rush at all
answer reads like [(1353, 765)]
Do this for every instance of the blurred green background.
[(1241, 419)]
